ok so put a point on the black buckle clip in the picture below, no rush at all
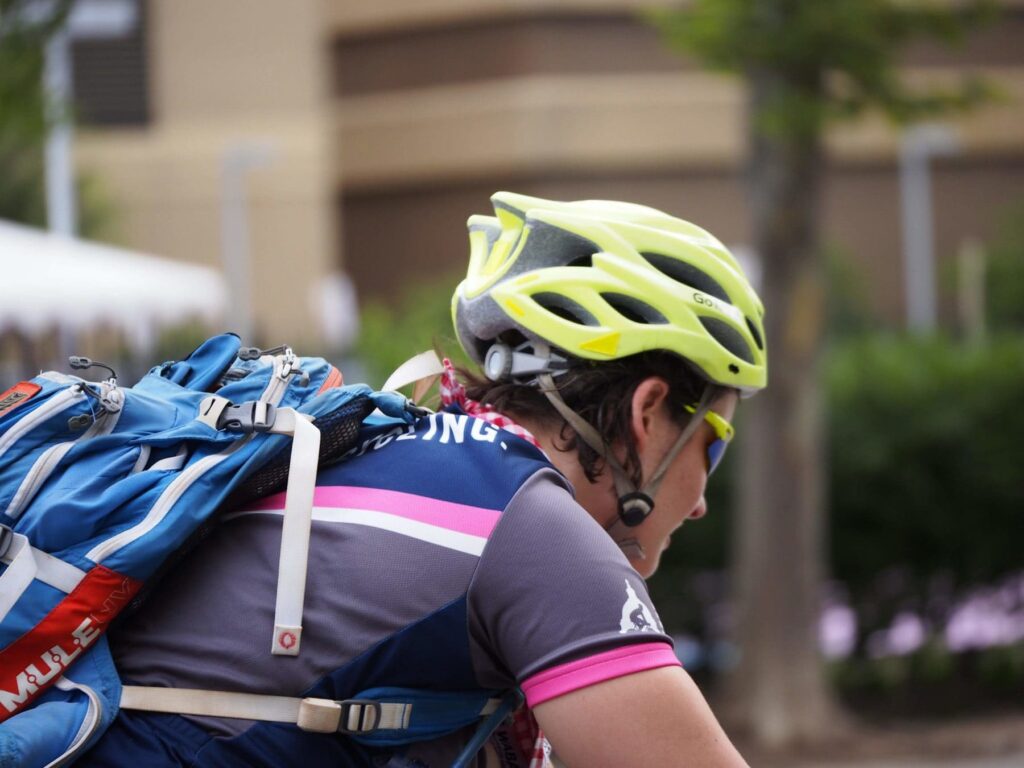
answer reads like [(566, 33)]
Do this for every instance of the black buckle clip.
[(367, 716), (254, 416), (6, 539)]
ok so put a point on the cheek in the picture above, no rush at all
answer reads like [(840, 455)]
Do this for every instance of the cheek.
[(689, 482), (684, 502)]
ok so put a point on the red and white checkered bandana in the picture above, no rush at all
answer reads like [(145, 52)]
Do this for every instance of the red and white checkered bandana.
[(453, 392), (530, 739)]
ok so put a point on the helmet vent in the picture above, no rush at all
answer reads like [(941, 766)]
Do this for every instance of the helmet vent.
[(587, 260), (728, 337), (634, 309), (551, 246), (754, 332), (687, 274), (565, 308)]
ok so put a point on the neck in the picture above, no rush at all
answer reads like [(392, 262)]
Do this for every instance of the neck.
[(598, 498)]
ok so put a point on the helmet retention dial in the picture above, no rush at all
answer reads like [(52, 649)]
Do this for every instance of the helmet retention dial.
[(634, 507), (528, 359)]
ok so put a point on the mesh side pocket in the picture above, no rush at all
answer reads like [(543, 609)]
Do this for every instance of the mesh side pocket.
[(339, 432)]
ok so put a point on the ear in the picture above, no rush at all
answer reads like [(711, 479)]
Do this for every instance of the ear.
[(648, 401)]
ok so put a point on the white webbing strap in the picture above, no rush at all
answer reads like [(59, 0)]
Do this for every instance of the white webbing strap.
[(421, 370), (211, 408), (319, 715), (24, 564), (295, 530), (311, 714)]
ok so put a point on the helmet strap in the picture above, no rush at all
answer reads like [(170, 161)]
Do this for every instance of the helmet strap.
[(635, 504), (703, 405)]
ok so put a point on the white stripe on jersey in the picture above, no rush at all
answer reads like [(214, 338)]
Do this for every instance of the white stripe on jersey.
[(433, 534)]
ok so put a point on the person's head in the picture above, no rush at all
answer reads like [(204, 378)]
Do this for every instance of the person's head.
[(616, 333)]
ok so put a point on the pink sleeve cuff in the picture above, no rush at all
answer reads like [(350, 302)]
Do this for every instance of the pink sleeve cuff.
[(618, 662)]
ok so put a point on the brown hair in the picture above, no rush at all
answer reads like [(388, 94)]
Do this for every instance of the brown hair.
[(601, 393)]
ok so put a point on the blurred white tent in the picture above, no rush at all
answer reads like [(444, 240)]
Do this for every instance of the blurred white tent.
[(49, 281)]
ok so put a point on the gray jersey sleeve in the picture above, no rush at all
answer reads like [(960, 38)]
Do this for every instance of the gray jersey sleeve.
[(553, 588)]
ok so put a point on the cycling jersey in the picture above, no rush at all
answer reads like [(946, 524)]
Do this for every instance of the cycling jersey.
[(446, 555)]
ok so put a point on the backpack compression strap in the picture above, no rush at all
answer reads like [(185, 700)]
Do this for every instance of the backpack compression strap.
[(298, 519), (377, 717), (260, 416)]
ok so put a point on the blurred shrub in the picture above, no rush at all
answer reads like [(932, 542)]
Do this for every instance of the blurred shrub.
[(176, 342), (849, 311), (420, 319), (26, 116), (932, 682), (926, 492), (1004, 281)]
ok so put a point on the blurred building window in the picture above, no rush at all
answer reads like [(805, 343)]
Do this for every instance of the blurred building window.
[(111, 72)]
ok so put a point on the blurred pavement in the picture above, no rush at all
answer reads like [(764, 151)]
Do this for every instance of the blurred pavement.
[(1006, 761)]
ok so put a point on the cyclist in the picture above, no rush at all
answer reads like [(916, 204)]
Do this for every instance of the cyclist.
[(503, 541)]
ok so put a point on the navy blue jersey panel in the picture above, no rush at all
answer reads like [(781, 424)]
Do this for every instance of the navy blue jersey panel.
[(470, 461)]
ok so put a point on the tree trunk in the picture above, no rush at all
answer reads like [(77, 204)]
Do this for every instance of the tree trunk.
[(778, 691)]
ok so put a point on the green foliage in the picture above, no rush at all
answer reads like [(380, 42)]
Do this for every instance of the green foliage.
[(926, 493), (23, 111), (833, 59), (176, 342), (1004, 282), (932, 681), (24, 30), (419, 319), (26, 115), (849, 310), (925, 458), (97, 213)]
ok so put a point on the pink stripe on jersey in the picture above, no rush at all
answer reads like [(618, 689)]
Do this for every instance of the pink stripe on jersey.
[(476, 521), (619, 662)]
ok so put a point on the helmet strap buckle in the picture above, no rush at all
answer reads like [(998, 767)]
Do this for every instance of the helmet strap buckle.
[(634, 507)]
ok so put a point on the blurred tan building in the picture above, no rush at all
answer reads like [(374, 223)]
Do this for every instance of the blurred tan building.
[(391, 121), (194, 84)]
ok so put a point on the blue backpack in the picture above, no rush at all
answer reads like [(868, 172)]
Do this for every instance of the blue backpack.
[(101, 487)]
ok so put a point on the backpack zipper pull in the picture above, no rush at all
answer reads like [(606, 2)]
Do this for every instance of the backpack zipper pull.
[(110, 396), (80, 363)]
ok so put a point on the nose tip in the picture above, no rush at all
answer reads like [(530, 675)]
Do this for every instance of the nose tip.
[(700, 510)]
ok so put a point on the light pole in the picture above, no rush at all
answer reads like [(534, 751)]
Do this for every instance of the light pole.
[(236, 163), (88, 19), (61, 210), (918, 146)]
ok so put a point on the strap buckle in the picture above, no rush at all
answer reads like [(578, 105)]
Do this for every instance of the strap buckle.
[(254, 416), (6, 539), (359, 716)]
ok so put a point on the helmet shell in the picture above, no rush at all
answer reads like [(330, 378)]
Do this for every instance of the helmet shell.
[(601, 280)]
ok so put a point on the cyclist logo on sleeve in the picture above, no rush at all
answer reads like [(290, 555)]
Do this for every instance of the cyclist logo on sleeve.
[(637, 616)]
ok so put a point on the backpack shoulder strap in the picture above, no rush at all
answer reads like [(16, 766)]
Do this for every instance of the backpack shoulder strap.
[(422, 370)]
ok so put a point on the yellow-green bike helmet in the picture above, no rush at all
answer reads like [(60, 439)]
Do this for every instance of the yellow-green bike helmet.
[(601, 280)]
